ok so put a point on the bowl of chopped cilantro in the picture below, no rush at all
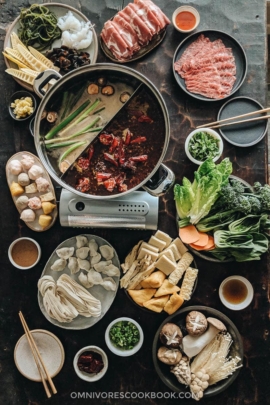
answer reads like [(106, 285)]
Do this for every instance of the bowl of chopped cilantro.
[(203, 143), (124, 336)]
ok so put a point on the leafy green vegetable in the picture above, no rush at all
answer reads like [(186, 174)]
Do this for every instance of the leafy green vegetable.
[(217, 221), (38, 27), (194, 201), (124, 335), (202, 146), (184, 197), (248, 224), (243, 246)]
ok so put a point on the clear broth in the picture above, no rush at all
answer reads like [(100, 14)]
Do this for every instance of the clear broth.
[(235, 291)]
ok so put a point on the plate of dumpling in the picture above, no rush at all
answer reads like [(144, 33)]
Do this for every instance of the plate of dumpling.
[(160, 274), (32, 191), (79, 282)]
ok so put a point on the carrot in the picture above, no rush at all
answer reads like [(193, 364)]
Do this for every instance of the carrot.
[(196, 247), (189, 234), (211, 243), (203, 240), (209, 246)]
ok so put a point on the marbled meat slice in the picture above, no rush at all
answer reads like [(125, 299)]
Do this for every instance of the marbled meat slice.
[(208, 68), (115, 42), (161, 17), (141, 29), (127, 32), (147, 16)]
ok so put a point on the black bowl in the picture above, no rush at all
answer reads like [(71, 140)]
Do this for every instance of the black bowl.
[(18, 95), (178, 318)]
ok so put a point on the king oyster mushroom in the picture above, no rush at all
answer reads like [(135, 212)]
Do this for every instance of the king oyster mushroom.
[(171, 335), (192, 345)]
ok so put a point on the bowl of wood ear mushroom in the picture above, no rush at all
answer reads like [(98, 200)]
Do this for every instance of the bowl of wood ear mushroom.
[(197, 350)]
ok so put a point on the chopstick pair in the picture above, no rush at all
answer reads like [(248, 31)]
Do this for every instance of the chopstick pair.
[(224, 123), (42, 369)]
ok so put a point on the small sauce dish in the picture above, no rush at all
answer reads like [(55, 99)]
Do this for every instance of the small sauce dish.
[(22, 97), (121, 348), (192, 146), (24, 253), (186, 19), (236, 292), (83, 367)]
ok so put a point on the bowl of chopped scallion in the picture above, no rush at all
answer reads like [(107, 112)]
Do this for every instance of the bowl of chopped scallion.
[(124, 336), (203, 143)]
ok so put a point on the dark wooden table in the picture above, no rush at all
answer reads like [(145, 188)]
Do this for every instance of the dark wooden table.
[(246, 21)]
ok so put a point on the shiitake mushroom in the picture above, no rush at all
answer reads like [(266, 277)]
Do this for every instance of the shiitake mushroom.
[(171, 335), (107, 90), (92, 89), (124, 97), (102, 81)]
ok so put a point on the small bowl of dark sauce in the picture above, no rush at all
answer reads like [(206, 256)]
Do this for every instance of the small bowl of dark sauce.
[(90, 363), (236, 292)]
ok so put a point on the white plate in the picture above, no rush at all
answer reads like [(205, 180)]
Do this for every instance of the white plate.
[(59, 10), (106, 297), (50, 348), (11, 177)]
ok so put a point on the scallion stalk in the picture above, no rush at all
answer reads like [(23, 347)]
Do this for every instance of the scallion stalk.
[(83, 115), (82, 131), (71, 149), (60, 144), (66, 121)]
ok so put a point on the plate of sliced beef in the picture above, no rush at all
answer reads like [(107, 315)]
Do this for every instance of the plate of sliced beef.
[(210, 65), (133, 31)]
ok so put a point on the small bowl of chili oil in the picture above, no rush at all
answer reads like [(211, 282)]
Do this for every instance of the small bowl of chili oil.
[(124, 336), (24, 253), (186, 19), (90, 363)]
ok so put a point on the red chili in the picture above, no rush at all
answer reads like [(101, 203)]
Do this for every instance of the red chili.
[(106, 139), (110, 158), (109, 184), (145, 118), (141, 158), (102, 176), (139, 139), (122, 187), (90, 152), (114, 145), (83, 184), (83, 163)]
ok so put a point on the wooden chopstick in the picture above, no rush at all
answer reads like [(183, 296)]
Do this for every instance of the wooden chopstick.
[(263, 117), (236, 117), (38, 359)]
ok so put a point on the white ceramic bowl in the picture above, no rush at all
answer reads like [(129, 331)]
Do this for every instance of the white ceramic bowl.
[(123, 352), (49, 346), (241, 305), (94, 376), (191, 10), (16, 264), (209, 131)]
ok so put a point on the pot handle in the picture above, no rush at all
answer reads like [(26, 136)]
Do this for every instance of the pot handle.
[(44, 78), (160, 182)]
